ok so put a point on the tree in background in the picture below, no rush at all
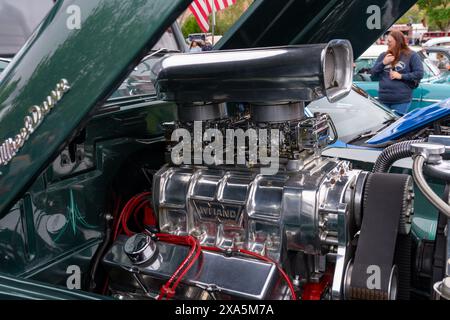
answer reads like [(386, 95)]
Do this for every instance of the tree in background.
[(413, 15), (224, 19), (189, 26), (438, 13)]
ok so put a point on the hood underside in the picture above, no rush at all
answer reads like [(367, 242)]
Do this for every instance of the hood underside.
[(282, 22)]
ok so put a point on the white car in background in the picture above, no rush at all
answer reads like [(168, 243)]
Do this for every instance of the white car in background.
[(442, 41)]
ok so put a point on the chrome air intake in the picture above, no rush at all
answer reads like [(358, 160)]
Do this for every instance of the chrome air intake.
[(337, 64), (276, 74)]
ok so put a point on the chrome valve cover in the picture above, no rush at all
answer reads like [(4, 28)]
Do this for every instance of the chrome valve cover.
[(304, 209)]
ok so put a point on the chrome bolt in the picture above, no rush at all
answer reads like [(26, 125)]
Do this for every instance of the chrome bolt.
[(296, 281)]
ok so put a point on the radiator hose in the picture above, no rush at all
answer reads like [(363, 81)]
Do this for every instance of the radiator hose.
[(393, 153)]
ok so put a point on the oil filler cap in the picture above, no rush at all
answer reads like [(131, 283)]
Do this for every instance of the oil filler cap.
[(140, 248)]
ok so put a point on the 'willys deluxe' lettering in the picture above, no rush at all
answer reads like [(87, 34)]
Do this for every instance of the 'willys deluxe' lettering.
[(10, 146)]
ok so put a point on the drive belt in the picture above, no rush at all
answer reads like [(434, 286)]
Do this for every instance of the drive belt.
[(373, 273)]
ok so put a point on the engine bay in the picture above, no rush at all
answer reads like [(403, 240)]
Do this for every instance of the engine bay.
[(133, 171)]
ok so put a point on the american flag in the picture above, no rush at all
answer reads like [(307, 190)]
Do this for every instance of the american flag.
[(202, 8)]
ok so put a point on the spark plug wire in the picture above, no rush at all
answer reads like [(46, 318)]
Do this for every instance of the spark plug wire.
[(130, 206), (169, 289)]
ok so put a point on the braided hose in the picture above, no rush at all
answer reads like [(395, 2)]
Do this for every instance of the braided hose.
[(393, 153)]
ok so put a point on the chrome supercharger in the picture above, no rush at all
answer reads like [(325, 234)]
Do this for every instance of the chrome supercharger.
[(305, 217)]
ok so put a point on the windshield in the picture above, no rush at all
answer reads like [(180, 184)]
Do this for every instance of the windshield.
[(138, 82), (440, 59), (431, 67), (355, 114)]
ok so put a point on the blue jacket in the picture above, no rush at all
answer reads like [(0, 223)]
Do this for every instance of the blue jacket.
[(398, 91)]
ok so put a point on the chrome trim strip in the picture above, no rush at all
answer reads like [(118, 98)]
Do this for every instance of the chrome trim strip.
[(431, 100)]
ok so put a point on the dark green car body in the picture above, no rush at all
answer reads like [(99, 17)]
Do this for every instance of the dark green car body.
[(53, 192)]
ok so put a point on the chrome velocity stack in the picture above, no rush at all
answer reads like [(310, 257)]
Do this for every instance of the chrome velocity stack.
[(276, 74)]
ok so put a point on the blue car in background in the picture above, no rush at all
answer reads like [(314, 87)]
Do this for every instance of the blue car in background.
[(419, 123)]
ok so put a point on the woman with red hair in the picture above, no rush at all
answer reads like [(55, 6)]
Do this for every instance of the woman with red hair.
[(400, 70)]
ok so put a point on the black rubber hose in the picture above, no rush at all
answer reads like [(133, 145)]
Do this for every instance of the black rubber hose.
[(91, 283), (393, 153)]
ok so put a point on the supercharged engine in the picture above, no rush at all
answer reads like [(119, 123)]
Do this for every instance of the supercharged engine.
[(246, 207)]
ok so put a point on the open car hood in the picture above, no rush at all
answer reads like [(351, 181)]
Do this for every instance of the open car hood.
[(418, 118), (282, 22), (112, 37)]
